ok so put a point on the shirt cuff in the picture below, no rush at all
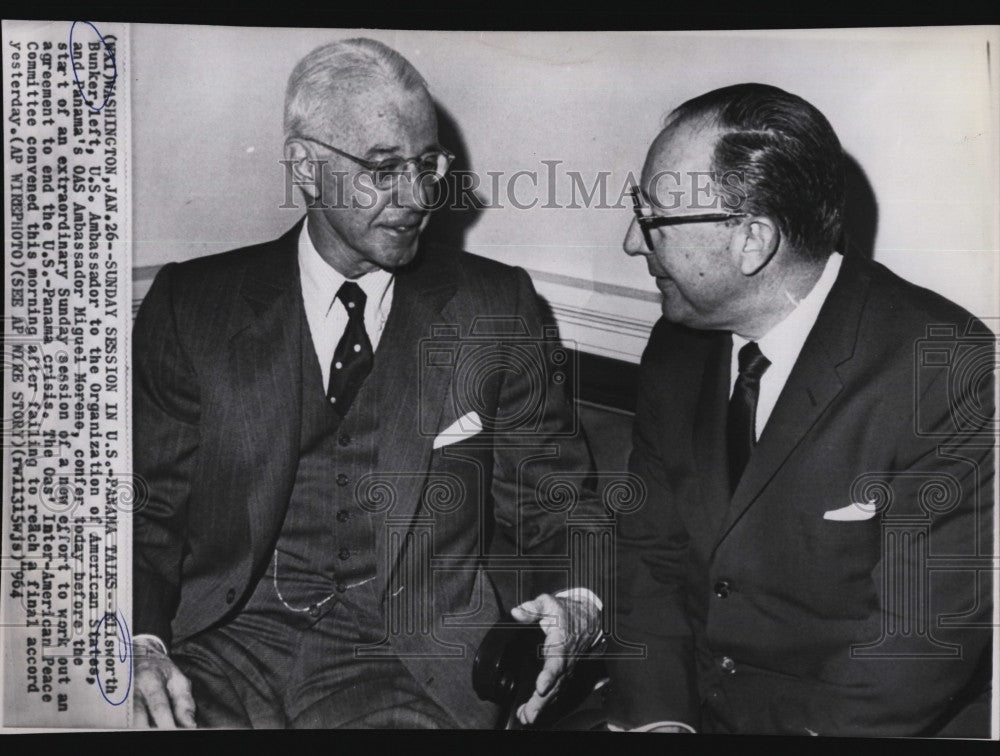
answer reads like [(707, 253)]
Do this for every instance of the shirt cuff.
[(150, 642), (585, 595), (581, 594), (652, 726)]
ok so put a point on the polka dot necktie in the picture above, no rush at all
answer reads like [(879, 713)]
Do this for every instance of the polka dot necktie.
[(352, 361), (741, 430)]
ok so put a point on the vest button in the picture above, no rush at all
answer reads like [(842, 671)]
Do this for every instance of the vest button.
[(344, 554), (722, 588), (341, 587), (342, 480), (728, 664), (343, 515), (230, 595), (344, 440), (313, 611)]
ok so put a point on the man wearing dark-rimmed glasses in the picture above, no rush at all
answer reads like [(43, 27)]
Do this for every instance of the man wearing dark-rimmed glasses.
[(324, 491), (789, 434)]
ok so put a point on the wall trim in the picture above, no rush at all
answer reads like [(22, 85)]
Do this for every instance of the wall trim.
[(604, 381), (588, 284)]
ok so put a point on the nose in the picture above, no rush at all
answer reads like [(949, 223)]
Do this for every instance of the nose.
[(413, 190), (635, 242)]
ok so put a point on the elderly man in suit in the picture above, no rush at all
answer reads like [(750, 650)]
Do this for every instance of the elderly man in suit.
[(814, 555), (336, 427)]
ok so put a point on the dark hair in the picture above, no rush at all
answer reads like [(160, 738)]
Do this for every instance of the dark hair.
[(786, 155)]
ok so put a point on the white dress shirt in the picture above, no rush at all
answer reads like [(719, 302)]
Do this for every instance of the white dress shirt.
[(326, 314), (783, 343)]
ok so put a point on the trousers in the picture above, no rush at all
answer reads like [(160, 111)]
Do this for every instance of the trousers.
[(272, 668)]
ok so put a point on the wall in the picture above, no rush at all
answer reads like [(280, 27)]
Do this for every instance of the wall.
[(916, 110)]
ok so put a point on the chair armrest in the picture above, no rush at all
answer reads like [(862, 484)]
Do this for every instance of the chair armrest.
[(507, 657), (507, 664)]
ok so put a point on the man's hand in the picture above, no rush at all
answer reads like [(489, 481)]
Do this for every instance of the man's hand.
[(571, 626), (162, 693), (672, 727)]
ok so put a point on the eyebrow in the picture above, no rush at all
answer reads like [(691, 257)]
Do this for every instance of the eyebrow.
[(395, 150), (379, 149)]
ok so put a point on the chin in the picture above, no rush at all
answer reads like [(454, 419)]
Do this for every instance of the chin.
[(672, 312), (681, 316), (397, 258)]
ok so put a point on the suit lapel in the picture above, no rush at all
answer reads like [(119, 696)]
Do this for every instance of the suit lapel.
[(812, 385), (710, 434), (265, 359), (414, 387)]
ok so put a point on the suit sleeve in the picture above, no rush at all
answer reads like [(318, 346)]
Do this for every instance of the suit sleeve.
[(539, 461), (927, 663), (165, 447), (651, 553)]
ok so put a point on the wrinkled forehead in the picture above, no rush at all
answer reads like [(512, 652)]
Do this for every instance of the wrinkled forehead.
[(381, 116), (681, 157)]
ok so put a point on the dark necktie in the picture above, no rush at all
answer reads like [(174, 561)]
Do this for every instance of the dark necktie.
[(352, 361), (740, 424)]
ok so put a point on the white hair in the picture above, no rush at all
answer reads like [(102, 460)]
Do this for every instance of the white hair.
[(330, 69)]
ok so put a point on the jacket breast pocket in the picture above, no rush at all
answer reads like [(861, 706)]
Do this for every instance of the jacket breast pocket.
[(858, 540), (843, 557)]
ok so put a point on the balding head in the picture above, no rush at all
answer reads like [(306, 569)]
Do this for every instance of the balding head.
[(331, 74), (786, 155)]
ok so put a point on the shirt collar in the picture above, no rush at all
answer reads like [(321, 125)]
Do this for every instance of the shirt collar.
[(784, 341), (321, 281)]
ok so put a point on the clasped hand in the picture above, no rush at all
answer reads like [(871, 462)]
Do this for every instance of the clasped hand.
[(571, 627)]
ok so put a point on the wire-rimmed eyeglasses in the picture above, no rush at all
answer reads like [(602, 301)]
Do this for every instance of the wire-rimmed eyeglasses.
[(431, 166)]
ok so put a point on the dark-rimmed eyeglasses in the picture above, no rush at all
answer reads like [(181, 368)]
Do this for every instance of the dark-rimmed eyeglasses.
[(431, 166), (647, 221)]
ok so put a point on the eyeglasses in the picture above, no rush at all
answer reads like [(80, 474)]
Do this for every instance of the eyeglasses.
[(431, 166), (648, 222)]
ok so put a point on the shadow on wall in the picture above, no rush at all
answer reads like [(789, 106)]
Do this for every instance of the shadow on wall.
[(461, 208), (860, 212)]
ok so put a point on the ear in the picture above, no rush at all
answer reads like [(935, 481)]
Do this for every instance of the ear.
[(755, 244), (305, 171)]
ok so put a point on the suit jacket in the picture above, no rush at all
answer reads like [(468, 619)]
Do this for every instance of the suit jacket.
[(217, 407), (759, 612)]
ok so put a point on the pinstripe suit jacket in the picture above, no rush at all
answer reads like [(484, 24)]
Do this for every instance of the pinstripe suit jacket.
[(216, 428)]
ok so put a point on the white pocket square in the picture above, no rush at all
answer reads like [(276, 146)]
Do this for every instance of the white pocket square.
[(466, 426), (852, 512)]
